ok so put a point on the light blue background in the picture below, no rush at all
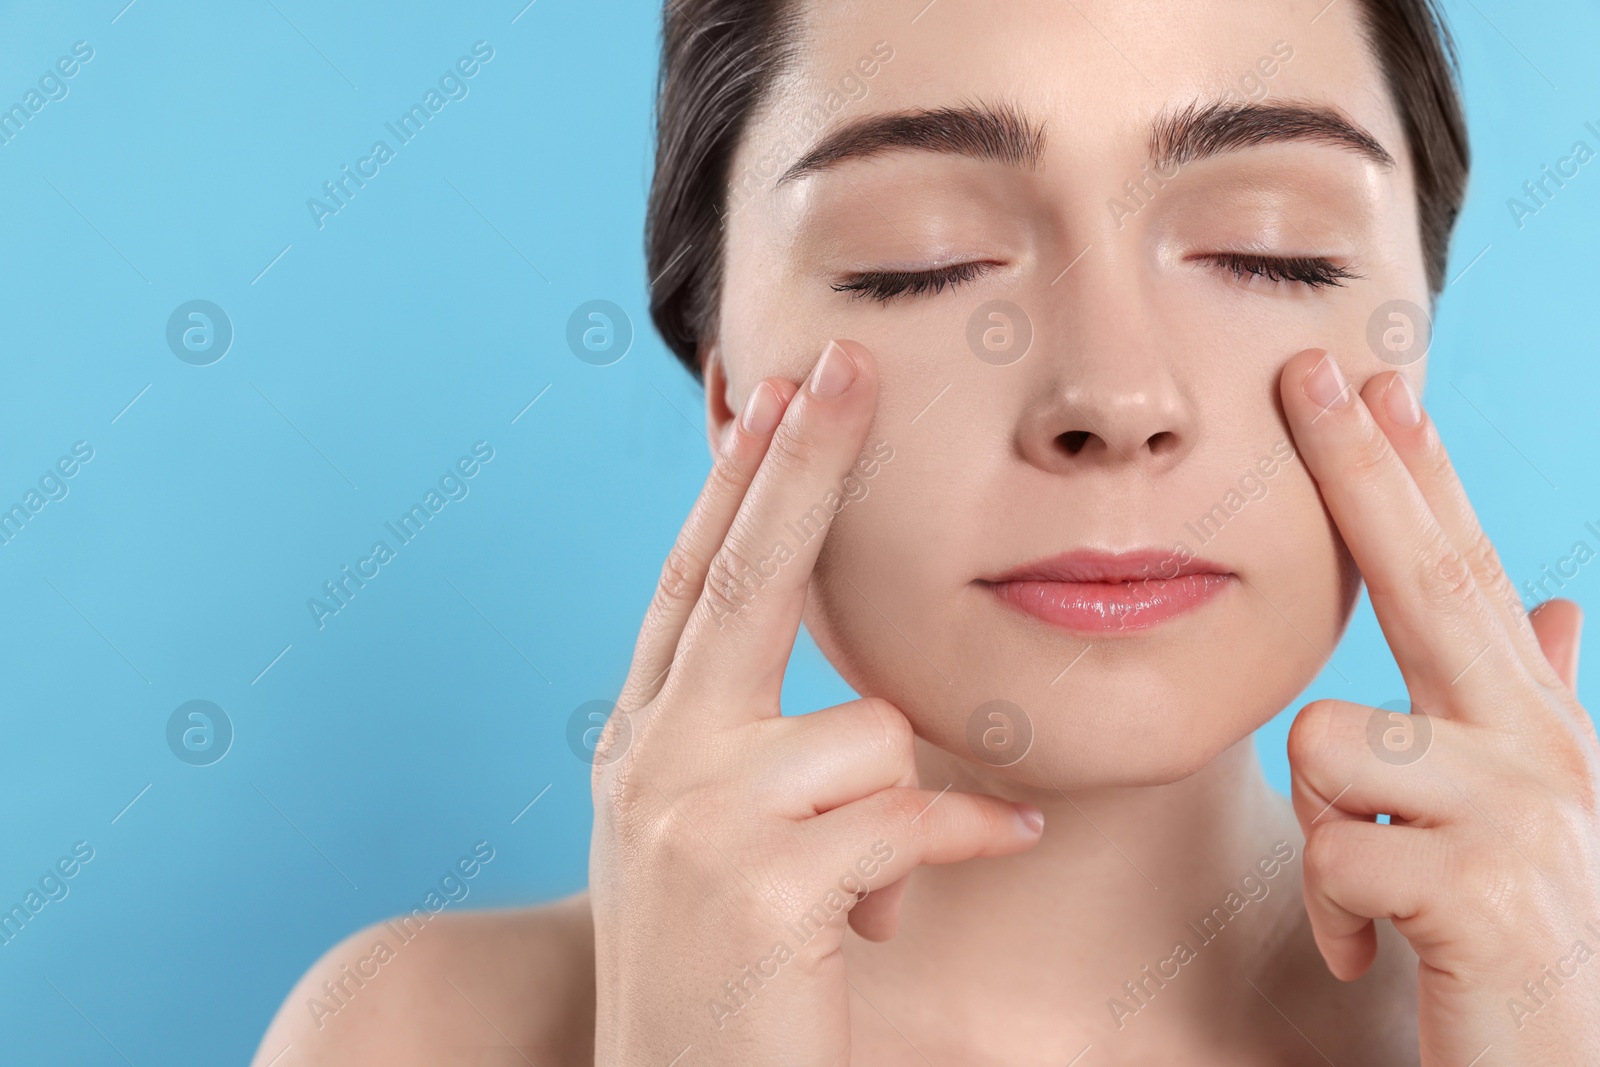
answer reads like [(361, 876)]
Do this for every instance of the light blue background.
[(424, 317)]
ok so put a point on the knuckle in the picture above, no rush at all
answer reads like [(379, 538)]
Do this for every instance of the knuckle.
[(902, 806), (1483, 559), (1447, 580), (651, 832), (1325, 851), (678, 573), (1485, 562), (616, 737), (626, 777), (726, 479), (1309, 733), (640, 690), (667, 833), (730, 583), (790, 447), (897, 734), (1370, 455), (617, 788), (1560, 811)]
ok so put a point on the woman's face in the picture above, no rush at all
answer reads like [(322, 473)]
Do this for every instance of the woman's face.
[(1141, 421)]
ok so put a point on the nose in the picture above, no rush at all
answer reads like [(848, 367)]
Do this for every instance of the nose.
[(1106, 394)]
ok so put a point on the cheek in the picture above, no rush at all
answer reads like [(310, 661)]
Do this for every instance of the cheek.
[(892, 608), (889, 573), (1303, 581), (876, 552)]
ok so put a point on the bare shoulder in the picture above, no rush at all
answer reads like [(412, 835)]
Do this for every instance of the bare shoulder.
[(472, 988)]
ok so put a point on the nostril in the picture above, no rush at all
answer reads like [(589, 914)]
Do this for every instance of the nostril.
[(1165, 441), (1074, 440)]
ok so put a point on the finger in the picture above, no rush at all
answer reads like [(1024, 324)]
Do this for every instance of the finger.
[(1351, 761), (1395, 406), (1444, 633), (904, 828), (1557, 624), (1356, 872), (818, 761), (878, 743), (737, 641), (683, 575), (908, 827), (877, 916)]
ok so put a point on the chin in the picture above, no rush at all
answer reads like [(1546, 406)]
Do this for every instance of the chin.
[(1050, 706)]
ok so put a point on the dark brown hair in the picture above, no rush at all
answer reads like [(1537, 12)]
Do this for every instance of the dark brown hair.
[(719, 58)]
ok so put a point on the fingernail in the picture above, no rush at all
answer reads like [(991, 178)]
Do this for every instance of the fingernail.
[(1400, 401), (1032, 818), (1325, 385), (762, 411), (834, 371)]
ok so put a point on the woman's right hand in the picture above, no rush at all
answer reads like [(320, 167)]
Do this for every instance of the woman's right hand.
[(730, 841)]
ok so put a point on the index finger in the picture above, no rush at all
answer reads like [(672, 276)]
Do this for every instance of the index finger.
[(1416, 441), (1446, 636), (683, 574), (737, 642)]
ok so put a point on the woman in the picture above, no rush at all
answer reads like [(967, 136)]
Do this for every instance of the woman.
[(1129, 300)]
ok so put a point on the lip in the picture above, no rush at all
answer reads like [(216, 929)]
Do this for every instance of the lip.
[(1110, 592)]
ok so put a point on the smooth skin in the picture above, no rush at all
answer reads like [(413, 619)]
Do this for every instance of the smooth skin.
[(721, 800), (720, 824), (720, 821), (1490, 866)]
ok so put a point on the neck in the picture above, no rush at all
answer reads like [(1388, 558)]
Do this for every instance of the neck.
[(1094, 914)]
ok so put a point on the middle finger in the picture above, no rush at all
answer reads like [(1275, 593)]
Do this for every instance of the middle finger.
[(1394, 403), (1449, 643), (738, 640)]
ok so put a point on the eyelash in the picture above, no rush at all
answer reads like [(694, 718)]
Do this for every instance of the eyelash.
[(1313, 272), (885, 285)]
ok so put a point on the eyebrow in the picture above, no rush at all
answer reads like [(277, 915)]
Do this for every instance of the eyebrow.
[(1003, 134), (980, 131), (1199, 131)]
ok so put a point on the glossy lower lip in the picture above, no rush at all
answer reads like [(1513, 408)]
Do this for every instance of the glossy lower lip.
[(1106, 593), (1111, 607)]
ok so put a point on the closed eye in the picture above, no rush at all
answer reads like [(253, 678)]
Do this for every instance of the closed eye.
[(1314, 272), (885, 285)]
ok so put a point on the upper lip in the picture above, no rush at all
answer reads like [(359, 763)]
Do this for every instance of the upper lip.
[(1093, 566)]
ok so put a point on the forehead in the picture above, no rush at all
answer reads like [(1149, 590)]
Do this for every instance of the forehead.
[(1095, 73)]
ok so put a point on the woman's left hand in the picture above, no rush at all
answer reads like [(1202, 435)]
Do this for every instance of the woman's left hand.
[(1490, 865)]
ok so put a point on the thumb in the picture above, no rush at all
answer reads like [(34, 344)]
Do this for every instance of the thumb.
[(877, 917), (1557, 624)]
